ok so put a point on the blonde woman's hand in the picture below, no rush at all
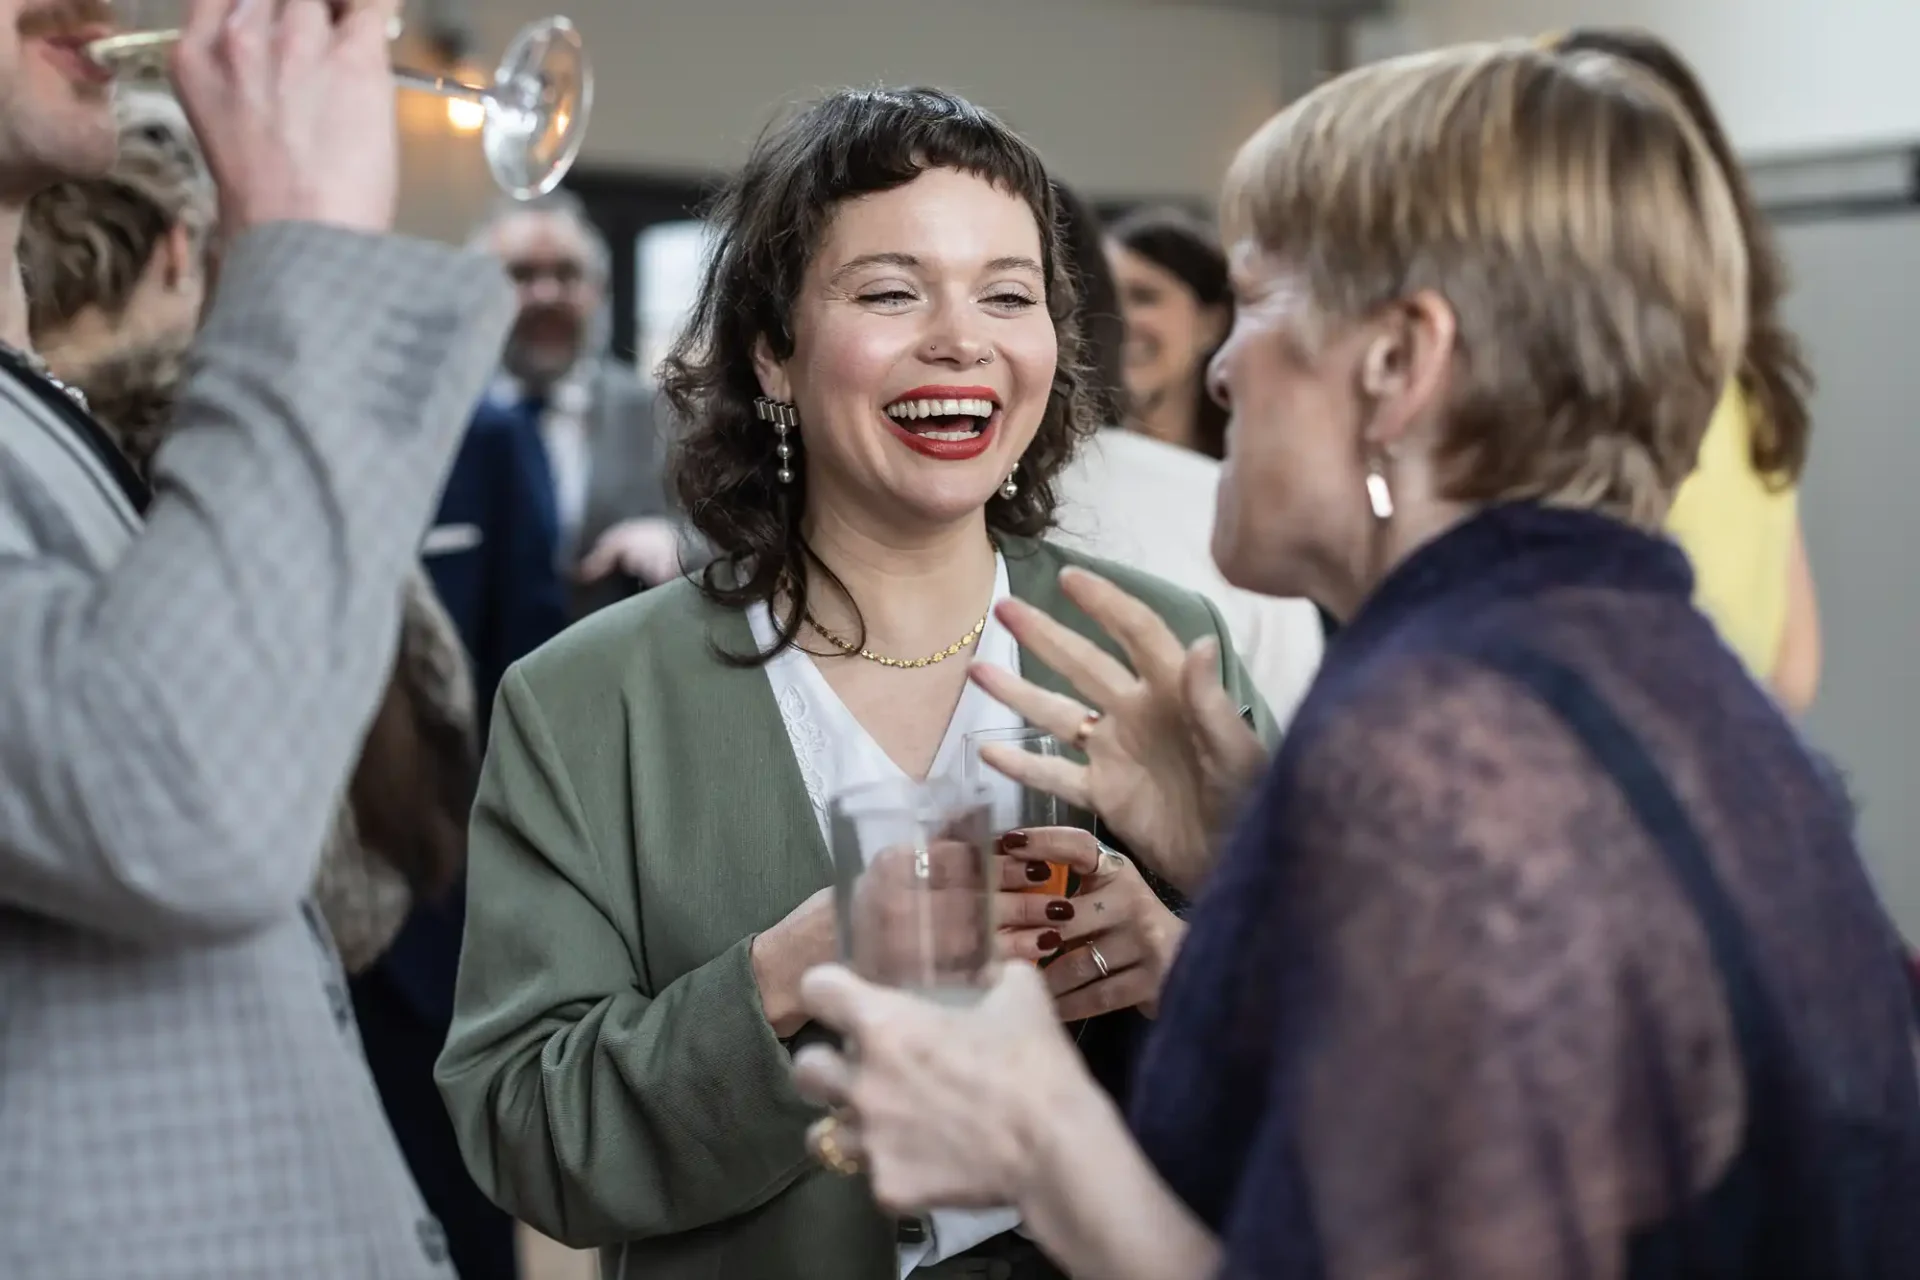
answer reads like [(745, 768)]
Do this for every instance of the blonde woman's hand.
[(1168, 756), (939, 1106)]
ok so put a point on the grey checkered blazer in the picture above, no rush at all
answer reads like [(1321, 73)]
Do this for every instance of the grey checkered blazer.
[(182, 1095)]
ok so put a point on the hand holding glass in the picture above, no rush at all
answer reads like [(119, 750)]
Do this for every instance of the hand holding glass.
[(913, 888), (536, 108), (1016, 807)]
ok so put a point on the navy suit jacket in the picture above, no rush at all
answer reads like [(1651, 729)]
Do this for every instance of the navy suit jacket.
[(493, 553), (493, 557)]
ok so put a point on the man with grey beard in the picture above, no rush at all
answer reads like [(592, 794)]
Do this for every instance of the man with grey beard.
[(597, 420)]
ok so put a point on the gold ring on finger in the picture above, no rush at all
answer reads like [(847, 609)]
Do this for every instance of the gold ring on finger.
[(828, 1151), (1085, 731)]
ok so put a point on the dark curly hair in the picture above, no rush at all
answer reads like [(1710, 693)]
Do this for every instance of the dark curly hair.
[(1773, 368), (1103, 332), (767, 223), (1189, 249)]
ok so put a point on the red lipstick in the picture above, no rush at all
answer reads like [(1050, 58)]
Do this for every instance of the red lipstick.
[(948, 450)]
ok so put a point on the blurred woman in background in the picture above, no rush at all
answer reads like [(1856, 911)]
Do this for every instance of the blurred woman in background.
[(1177, 307), (117, 269), (1738, 514), (1148, 504)]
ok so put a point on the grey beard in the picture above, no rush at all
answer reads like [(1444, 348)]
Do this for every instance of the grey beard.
[(537, 374)]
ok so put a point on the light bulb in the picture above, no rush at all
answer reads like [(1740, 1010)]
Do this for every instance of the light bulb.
[(465, 115)]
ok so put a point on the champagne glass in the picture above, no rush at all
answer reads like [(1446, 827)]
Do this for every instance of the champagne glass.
[(536, 109), (913, 886), (1016, 807)]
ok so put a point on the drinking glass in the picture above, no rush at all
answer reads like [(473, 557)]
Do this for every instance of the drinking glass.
[(1016, 806), (536, 109), (913, 887)]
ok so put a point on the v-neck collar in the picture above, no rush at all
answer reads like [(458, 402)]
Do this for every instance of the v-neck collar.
[(975, 704), (771, 791)]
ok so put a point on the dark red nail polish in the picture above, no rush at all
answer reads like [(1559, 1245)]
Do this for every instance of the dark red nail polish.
[(1059, 912), (1039, 872), (1014, 840), (1048, 941)]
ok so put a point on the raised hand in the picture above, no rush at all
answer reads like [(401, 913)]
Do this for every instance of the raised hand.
[(293, 104), (1168, 756)]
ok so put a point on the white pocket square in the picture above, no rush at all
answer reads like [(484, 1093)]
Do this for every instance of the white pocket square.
[(445, 539)]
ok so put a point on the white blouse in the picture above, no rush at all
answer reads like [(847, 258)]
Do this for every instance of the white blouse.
[(835, 752), (1150, 505)]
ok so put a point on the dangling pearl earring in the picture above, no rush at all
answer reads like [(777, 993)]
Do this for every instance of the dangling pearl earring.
[(1379, 495), (784, 418), (1011, 488)]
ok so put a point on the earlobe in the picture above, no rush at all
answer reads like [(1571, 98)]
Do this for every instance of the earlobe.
[(1411, 350), (772, 373), (1383, 365)]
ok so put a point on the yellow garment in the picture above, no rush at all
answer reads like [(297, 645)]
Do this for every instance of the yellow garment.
[(1738, 531)]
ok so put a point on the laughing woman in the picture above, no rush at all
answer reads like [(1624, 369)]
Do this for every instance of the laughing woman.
[(881, 383)]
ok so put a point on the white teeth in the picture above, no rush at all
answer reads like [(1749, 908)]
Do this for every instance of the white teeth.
[(909, 410), (946, 435)]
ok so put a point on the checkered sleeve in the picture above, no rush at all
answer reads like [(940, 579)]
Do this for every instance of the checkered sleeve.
[(174, 733)]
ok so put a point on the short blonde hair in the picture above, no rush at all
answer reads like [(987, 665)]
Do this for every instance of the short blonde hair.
[(87, 242), (1573, 217)]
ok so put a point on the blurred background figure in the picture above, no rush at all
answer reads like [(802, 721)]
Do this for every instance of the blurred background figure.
[(1738, 515), (592, 412), (1148, 504), (1178, 307), (118, 268)]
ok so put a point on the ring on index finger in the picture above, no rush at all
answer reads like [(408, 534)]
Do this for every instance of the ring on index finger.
[(1084, 731)]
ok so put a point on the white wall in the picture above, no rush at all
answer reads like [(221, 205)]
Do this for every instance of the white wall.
[(1123, 100), (1788, 76)]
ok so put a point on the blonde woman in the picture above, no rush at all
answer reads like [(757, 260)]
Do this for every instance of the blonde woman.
[(1543, 949), (117, 270)]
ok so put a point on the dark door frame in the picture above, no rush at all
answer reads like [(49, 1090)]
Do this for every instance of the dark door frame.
[(622, 204)]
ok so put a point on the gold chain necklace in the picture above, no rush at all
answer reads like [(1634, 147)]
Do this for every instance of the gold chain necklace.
[(852, 650)]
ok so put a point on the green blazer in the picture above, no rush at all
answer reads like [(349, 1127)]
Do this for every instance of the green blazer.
[(641, 816)]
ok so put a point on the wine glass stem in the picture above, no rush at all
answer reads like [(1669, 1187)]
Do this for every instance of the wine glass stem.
[(441, 86)]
